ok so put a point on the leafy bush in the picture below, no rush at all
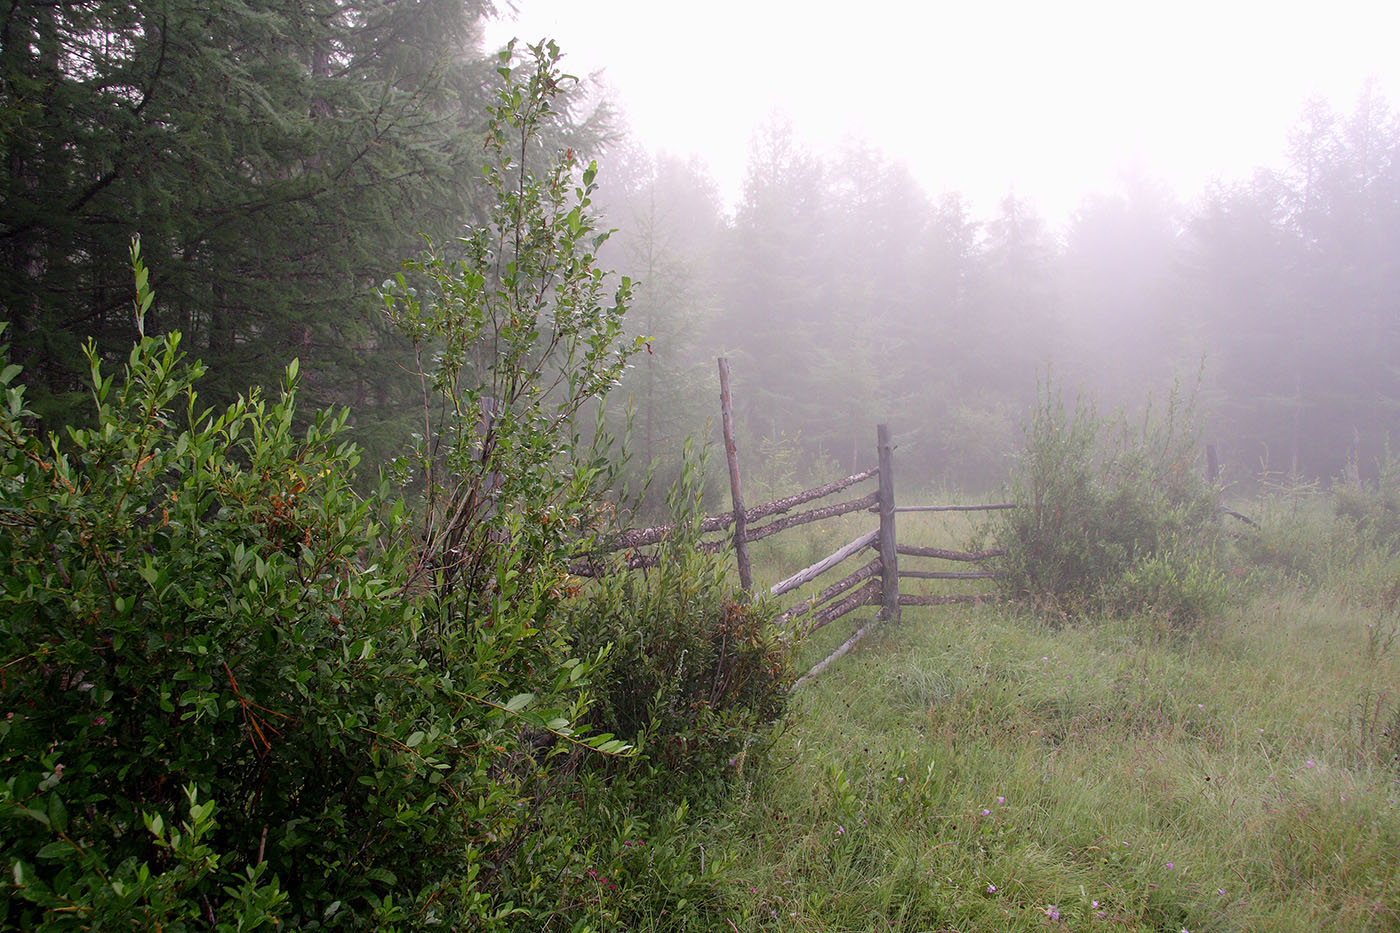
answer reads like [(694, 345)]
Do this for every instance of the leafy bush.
[(1286, 544), (203, 614), (1307, 537), (696, 671), (1374, 507), (1102, 502), (202, 625), (516, 329), (1181, 586)]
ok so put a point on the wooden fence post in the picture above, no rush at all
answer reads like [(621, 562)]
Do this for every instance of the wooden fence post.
[(736, 490), (889, 560)]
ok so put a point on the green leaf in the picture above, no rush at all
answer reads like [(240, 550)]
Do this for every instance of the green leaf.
[(58, 813), (56, 849), (382, 875), (39, 816), (415, 739), (519, 701)]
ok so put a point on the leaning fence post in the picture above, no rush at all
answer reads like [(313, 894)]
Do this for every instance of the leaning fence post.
[(731, 453), (889, 561)]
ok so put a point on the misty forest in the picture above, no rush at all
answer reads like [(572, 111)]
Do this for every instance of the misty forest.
[(361, 420)]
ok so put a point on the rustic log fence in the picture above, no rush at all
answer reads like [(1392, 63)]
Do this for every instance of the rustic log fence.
[(876, 583)]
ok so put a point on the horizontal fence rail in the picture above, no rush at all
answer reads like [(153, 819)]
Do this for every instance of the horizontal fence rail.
[(909, 550), (955, 508), (641, 537), (950, 574), (823, 565), (875, 583), (815, 515), (914, 599), (871, 585)]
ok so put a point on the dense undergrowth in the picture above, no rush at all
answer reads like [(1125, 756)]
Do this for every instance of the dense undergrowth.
[(1112, 518), (240, 694)]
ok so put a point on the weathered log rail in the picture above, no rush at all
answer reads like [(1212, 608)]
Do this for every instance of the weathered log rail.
[(641, 537), (875, 583)]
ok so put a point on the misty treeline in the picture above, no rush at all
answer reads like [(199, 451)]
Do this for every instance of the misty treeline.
[(279, 161), (847, 295)]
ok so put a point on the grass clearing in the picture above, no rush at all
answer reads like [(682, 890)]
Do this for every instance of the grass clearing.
[(975, 767), (970, 769)]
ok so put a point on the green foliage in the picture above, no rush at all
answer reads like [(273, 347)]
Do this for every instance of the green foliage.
[(1374, 506), (201, 616), (615, 855), (1287, 544), (696, 672), (1105, 508), (513, 337), (198, 611), (278, 158), (241, 695), (1181, 586), (1307, 538)]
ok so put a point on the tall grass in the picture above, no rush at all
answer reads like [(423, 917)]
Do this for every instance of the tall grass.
[(975, 768)]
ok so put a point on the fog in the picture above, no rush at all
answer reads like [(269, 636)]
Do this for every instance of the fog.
[(1051, 101), (934, 215), (913, 214)]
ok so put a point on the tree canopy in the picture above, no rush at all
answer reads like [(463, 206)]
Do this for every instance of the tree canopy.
[(277, 160)]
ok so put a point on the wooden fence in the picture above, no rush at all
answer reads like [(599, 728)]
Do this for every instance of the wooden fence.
[(875, 583)]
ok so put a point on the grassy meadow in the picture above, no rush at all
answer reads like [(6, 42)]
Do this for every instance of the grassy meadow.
[(975, 767)]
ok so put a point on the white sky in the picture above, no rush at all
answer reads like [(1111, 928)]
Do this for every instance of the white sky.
[(1052, 99)]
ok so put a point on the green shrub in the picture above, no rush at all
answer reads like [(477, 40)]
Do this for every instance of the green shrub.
[(355, 720), (239, 695), (696, 672), (1373, 507), (1307, 537), (1178, 585), (516, 329), (1286, 544), (1097, 502), (198, 611)]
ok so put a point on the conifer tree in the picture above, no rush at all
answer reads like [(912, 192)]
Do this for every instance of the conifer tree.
[(277, 159)]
